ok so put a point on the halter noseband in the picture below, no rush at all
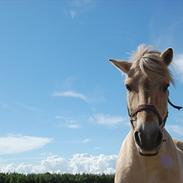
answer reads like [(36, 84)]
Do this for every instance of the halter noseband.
[(147, 107), (151, 108)]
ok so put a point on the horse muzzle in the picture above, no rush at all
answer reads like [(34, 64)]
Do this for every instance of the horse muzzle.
[(148, 143)]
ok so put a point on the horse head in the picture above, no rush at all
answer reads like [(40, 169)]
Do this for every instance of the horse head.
[(147, 81)]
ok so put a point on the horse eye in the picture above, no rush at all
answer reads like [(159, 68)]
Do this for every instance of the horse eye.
[(165, 87), (128, 87)]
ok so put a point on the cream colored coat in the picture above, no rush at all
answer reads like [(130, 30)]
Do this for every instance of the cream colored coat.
[(166, 167), (147, 77)]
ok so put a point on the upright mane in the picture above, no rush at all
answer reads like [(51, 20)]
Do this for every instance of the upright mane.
[(148, 153), (149, 62)]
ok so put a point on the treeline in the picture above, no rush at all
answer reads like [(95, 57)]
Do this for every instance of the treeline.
[(55, 178)]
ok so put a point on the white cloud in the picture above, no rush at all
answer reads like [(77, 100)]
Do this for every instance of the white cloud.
[(178, 66), (67, 122), (73, 126), (81, 141), (72, 13), (60, 117), (53, 163), (106, 119), (78, 163), (80, 3), (29, 107), (81, 163), (77, 7), (13, 144), (85, 141), (71, 94)]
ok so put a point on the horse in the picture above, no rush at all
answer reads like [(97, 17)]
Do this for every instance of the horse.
[(148, 153)]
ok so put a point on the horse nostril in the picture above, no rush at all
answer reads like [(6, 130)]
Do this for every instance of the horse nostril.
[(148, 142), (138, 139)]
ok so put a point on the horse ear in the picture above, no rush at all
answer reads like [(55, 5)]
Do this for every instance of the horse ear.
[(121, 65), (167, 56)]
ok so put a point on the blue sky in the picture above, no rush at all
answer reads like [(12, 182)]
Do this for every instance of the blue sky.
[(61, 102)]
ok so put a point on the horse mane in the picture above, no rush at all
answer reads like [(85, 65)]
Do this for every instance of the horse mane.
[(148, 61)]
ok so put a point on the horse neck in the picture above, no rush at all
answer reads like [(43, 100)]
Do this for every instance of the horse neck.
[(168, 145)]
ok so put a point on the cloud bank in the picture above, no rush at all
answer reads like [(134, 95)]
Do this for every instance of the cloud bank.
[(78, 163)]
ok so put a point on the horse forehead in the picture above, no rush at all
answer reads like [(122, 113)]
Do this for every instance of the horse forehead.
[(148, 81), (140, 76), (145, 80)]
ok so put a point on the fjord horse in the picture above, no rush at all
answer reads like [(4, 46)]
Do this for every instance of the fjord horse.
[(148, 154)]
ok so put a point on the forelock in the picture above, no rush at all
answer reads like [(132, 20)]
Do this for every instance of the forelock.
[(148, 60)]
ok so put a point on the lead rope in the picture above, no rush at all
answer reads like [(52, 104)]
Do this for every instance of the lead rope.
[(175, 106)]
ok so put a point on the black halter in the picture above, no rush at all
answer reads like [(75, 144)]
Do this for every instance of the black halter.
[(152, 108), (147, 107)]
